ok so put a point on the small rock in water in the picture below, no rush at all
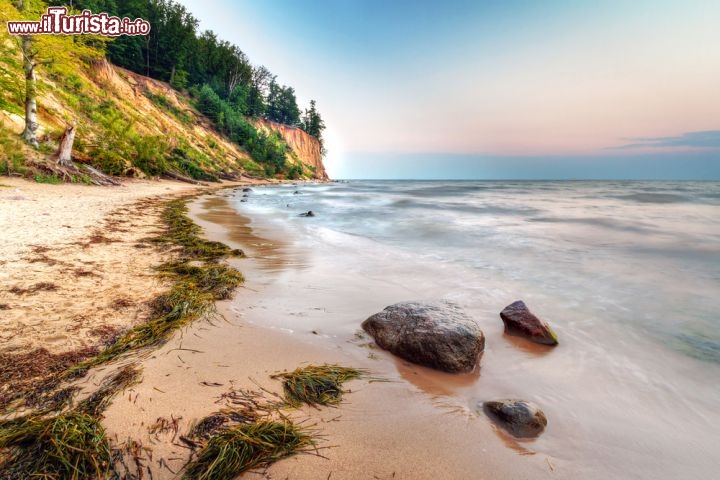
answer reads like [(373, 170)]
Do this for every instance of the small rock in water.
[(243, 200), (520, 321), (437, 335), (247, 189), (522, 419), (309, 213), (245, 195), (296, 192)]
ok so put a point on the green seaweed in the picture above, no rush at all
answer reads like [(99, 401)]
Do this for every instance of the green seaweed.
[(199, 281), (316, 385), (71, 446), (238, 449)]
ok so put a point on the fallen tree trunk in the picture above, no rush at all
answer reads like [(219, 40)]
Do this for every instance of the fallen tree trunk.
[(182, 178), (228, 175), (100, 177)]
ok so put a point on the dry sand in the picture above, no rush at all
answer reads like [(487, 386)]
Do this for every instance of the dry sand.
[(72, 268)]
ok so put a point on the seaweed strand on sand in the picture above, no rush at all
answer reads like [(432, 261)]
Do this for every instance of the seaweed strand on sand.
[(249, 433), (316, 385), (240, 448), (57, 442), (69, 445), (200, 280)]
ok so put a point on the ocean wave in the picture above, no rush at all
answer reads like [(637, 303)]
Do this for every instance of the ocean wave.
[(597, 222), (649, 197)]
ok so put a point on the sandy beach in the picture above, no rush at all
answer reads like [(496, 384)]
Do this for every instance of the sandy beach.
[(387, 429), (78, 248)]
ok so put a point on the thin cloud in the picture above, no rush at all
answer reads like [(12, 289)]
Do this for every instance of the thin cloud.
[(709, 139)]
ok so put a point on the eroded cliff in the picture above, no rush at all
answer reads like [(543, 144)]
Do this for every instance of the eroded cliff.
[(305, 148)]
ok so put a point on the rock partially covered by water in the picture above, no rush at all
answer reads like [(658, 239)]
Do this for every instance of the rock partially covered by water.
[(247, 189), (519, 320), (309, 213), (520, 418), (436, 335)]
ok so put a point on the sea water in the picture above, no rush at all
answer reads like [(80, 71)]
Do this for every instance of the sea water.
[(627, 273)]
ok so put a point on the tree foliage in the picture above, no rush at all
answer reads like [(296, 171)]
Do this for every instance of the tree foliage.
[(313, 124), (176, 52)]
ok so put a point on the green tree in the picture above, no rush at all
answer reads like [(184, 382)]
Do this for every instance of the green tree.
[(313, 124), (282, 105)]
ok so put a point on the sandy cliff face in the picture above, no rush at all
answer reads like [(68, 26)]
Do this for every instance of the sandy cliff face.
[(305, 147)]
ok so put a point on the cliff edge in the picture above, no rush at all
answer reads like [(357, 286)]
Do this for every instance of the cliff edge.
[(305, 148)]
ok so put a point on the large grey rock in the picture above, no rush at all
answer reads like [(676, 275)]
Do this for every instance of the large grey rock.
[(520, 321), (436, 335), (520, 418)]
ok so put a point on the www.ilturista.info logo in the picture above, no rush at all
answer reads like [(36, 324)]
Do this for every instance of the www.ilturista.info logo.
[(57, 21)]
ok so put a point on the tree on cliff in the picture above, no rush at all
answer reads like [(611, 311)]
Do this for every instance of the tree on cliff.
[(282, 105), (259, 85), (29, 52), (59, 53), (313, 124)]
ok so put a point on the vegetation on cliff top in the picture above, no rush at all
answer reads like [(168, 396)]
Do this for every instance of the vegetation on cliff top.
[(121, 140)]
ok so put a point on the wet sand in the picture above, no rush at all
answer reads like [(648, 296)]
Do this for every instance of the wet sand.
[(404, 428)]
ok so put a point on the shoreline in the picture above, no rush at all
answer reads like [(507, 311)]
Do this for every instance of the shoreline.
[(185, 379), (370, 438)]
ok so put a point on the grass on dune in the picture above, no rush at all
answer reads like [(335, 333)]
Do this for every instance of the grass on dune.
[(243, 447), (70, 446), (316, 385)]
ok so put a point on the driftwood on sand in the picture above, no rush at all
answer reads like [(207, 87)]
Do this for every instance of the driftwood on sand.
[(182, 178)]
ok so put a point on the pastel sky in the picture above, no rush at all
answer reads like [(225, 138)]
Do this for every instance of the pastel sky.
[(491, 89)]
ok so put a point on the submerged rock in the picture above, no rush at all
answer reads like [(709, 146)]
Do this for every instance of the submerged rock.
[(309, 213), (296, 192), (436, 335), (520, 418), (243, 200), (519, 320)]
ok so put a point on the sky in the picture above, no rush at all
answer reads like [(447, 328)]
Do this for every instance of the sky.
[(495, 89)]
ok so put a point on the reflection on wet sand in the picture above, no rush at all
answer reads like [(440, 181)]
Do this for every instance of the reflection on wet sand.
[(271, 255), (432, 381), (528, 346)]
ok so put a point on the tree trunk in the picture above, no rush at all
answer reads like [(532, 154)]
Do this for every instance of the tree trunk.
[(31, 123), (172, 76), (64, 151)]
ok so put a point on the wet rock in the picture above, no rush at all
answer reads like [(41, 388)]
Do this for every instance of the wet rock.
[(247, 189), (520, 418), (520, 321), (436, 335), (309, 213), (296, 192), (246, 195), (243, 200)]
